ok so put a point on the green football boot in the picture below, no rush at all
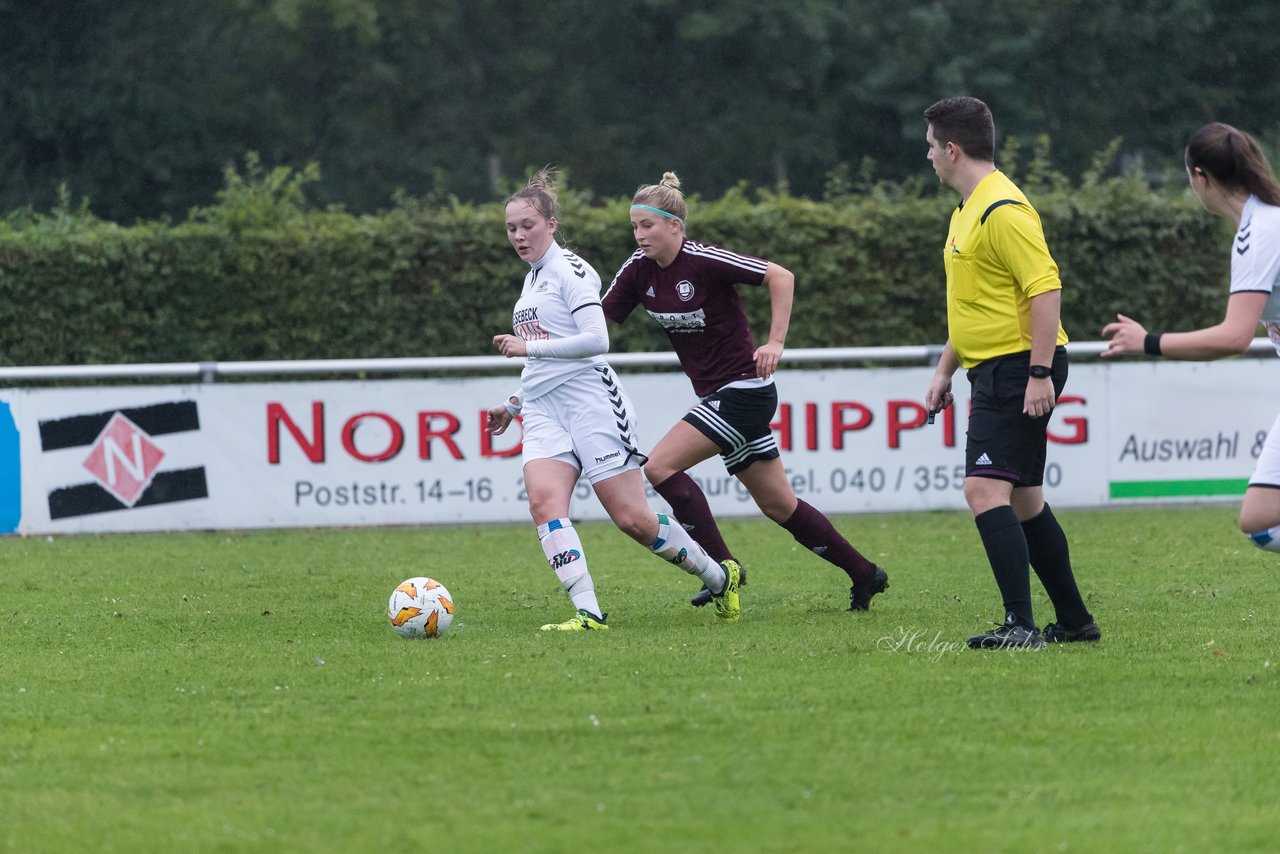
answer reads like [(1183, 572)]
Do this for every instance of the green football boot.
[(583, 621)]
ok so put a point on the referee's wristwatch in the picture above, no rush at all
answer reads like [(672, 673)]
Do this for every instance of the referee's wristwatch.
[(1040, 372)]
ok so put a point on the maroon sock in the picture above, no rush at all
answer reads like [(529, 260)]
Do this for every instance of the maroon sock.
[(816, 533), (694, 514)]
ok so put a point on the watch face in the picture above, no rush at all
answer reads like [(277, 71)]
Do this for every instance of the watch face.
[(1041, 371)]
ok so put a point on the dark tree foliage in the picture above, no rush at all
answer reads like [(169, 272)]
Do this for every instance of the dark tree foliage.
[(140, 105)]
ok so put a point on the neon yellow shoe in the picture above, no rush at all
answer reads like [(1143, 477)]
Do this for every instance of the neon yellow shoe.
[(583, 621), (728, 607)]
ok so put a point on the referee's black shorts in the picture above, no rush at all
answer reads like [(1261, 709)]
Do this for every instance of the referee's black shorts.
[(1003, 443)]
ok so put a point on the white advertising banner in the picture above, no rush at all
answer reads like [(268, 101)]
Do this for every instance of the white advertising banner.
[(396, 452), (1190, 430)]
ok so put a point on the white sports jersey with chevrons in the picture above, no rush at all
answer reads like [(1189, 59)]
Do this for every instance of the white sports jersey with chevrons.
[(1255, 260), (1255, 268), (559, 315)]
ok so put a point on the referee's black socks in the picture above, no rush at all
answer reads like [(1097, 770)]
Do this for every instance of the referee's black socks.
[(1006, 545), (1051, 559)]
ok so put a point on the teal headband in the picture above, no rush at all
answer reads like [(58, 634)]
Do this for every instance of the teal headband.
[(659, 211)]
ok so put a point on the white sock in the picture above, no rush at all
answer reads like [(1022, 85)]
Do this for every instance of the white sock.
[(676, 546), (563, 549), (1268, 540)]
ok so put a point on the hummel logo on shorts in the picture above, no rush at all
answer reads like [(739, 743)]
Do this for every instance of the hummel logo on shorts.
[(983, 460)]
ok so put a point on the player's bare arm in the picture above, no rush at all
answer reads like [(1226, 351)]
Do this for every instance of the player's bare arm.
[(1233, 335), (781, 283)]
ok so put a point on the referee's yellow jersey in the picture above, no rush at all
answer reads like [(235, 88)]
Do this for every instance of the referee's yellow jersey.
[(996, 260)]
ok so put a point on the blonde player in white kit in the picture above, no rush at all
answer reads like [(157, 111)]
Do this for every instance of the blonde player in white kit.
[(1231, 176), (577, 418)]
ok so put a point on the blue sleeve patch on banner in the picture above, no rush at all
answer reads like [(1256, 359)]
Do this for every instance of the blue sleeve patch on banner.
[(10, 472)]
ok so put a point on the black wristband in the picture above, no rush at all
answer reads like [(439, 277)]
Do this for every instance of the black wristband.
[(1152, 343)]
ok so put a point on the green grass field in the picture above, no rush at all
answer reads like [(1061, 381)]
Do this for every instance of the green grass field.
[(244, 692)]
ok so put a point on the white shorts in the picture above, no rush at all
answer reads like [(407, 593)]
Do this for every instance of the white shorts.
[(1267, 471), (588, 421)]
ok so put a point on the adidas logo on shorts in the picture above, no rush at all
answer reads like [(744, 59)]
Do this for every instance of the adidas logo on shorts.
[(983, 460)]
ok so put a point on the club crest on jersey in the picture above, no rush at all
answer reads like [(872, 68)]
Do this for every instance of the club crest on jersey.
[(684, 290)]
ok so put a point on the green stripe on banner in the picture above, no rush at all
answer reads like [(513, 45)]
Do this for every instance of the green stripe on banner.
[(1176, 488)]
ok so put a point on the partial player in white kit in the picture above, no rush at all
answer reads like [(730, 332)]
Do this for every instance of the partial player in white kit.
[(577, 418), (1229, 173)]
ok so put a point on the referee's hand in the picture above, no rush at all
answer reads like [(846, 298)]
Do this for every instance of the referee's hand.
[(938, 396), (1040, 397)]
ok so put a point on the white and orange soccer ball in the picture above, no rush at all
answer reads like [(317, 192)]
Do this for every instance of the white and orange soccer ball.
[(420, 608)]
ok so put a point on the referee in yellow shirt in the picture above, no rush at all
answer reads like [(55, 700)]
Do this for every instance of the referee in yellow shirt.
[(1003, 305)]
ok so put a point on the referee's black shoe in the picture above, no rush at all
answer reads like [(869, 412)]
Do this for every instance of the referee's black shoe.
[(704, 597), (1054, 633), (1009, 636), (860, 594)]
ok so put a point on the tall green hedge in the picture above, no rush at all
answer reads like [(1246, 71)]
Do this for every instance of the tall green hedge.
[(260, 276)]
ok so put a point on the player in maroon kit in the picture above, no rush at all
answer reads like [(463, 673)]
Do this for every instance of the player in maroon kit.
[(690, 289)]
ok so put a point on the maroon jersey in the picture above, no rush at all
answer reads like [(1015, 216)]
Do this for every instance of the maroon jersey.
[(695, 300)]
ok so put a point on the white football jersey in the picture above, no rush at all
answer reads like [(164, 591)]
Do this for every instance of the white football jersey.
[(1255, 260), (559, 315)]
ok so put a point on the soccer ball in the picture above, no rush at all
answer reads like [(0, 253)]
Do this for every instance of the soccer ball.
[(420, 608)]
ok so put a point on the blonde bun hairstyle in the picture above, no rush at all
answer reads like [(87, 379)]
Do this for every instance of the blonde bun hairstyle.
[(664, 196)]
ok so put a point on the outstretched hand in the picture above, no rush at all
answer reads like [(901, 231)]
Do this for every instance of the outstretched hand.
[(1127, 336)]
